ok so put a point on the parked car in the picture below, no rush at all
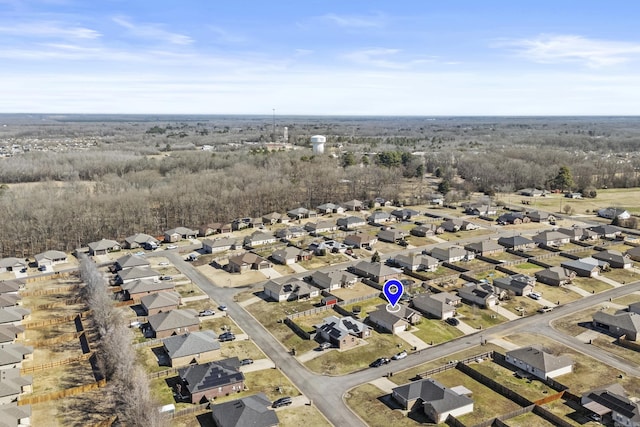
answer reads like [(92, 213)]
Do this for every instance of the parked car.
[(545, 309), (206, 313), (453, 321), (535, 295), (222, 308), (42, 268), (379, 362), (163, 263), (400, 356), (325, 345), (139, 253), (283, 401), (166, 278), (172, 247), (244, 362), (227, 336)]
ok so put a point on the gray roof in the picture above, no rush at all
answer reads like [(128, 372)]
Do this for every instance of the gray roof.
[(12, 262), (191, 343), (536, 357), (449, 252), (11, 383), (339, 327), (484, 246), (11, 413), (514, 241), (250, 411), (140, 238), (8, 333), (381, 314), (516, 281), (137, 273), (378, 215), (626, 321), (555, 273), (13, 353), (183, 231), (51, 255), (579, 265), (287, 253), (129, 261), (103, 245), (374, 268), (9, 300), (211, 375), (417, 259), (219, 243), (147, 285), (173, 319), (13, 314), (441, 398), (160, 299), (614, 398), (611, 255), (334, 276), (350, 221), (548, 236)]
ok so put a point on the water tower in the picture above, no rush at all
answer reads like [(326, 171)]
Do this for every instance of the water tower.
[(318, 143)]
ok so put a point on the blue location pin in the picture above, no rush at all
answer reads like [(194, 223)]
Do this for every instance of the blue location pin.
[(393, 290)]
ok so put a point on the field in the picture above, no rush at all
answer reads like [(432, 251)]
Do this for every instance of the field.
[(357, 290), (368, 401), (590, 285), (435, 331), (622, 275), (556, 294), (532, 390), (479, 318)]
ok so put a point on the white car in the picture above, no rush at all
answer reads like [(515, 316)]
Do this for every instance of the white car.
[(172, 247), (400, 355), (163, 263), (535, 295)]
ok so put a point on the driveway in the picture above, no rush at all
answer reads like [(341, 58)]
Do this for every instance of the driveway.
[(258, 365), (578, 290), (466, 329), (384, 384), (608, 281), (413, 340), (503, 312), (297, 268), (270, 273)]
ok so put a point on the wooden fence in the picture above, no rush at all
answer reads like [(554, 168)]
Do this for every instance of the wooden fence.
[(54, 275), (486, 355), (192, 410), (51, 291), (63, 303), (31, 400), (69, 336), (54, 321), (68, 361), (549, 399), (162, 374)]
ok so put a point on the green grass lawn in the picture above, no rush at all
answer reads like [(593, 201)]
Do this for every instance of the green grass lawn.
[(451, 237), (556, 293), (527, 420), (506, 256), (526, 268), (435, 331), (622, 275), (627, 299), (591, 285), (302, 415), (343, 362), (533, 390), (479, 318), (519, 305)]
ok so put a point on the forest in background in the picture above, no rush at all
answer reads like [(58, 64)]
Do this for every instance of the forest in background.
[(70, 180)]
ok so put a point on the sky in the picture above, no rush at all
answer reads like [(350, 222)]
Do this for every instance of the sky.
[(312, 57)]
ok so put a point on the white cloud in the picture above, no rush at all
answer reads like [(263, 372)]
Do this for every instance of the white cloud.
[(152, 32), (573, 48), (47, 29), (352, 21), (377, 57)]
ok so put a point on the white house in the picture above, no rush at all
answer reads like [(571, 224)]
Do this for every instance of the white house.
[(536, 361)]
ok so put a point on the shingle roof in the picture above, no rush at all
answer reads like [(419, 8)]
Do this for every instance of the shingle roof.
[(137, 273), (173, 319), (129, 261), (250, 411), (103, 245), (140, 238), (211, 375), (147, 285), (340, 327), (536, 357), (441, 398), (50, 255), (13, 353), (191, 343), (13, 314), (160, 299)]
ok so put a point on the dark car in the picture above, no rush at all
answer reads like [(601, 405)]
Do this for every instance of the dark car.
[(379, 362), (244, 362), (227, 336), (166, 278), (283, 401), (453, 321)]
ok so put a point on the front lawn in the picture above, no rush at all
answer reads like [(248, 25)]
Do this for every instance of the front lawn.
[(435, 331)]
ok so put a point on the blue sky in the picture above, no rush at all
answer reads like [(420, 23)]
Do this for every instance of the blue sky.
[(327, 57)]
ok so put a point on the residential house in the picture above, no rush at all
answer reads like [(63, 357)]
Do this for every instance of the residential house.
[(250, 411), (534, 360), (531, 192), (179, 233), (404, 214), (634, 253), (256, 223), (480, 294), (434, 399), (12, 387), (540, 216), (290, 233), (290, 255), (13, 414), (10, 300), (612, 213), (452, 253), (513, 218), (519, 284), (247, 261), (272, 218), (50, 258), (292, 289), (207, 381), (485, 247), (174, 322), (191, 348), (551, 238), (353, 205), (616, 259), (517, 243), (456, 224), (555, 276), (360, 240), (335, 279), (103, 247), (342, 332), (351, 222), (12, 264), (329, 208), (378, 218), (11, 286), (298, 213), (14, 315), (375, 271), (579, 233), (215, 246), (141, 240), (12, 356), (417, 262), (606, 231), (581, 268), (625, 323), (10, 333), (136, 289), (240, 224), (613, 401), (441, 306), (160, 301), (259, 238), (129, 261), (209, 229), (426, 230), (479, 209), (396, 321), (136, 273), (324, 226), (435, 199), (380, 201), (391, 235)]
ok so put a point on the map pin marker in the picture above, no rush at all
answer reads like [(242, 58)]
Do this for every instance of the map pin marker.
[(392, 291)]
